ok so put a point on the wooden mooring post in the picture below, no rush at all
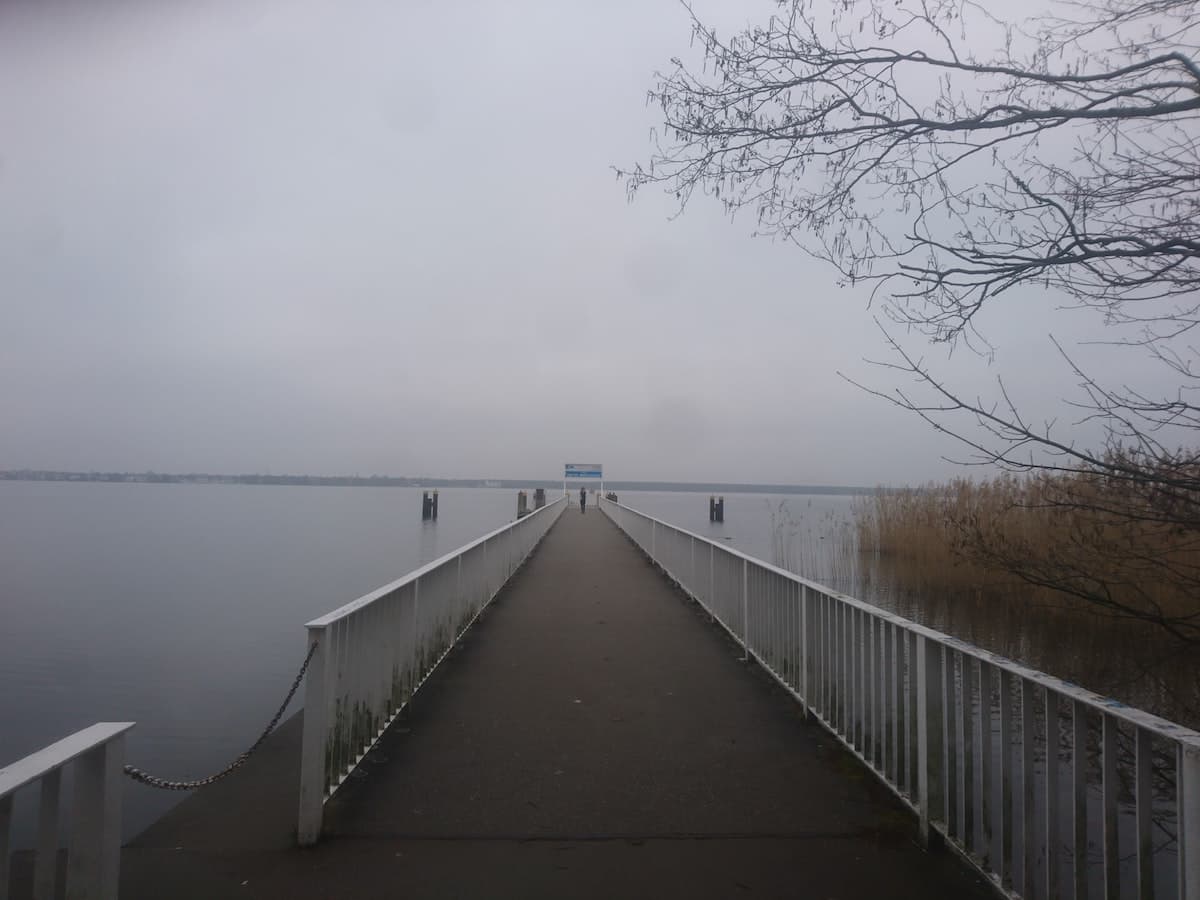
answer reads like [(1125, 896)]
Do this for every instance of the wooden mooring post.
[(716, 509)]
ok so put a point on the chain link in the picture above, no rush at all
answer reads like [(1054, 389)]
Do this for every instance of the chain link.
[(146, 778)]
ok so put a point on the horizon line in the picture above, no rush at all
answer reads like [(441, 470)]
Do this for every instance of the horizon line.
[(99, 474)]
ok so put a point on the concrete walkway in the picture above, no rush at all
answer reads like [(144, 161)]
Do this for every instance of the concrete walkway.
[(594, 736)]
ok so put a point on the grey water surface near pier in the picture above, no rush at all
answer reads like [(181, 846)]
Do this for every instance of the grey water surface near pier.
[(592, 735)]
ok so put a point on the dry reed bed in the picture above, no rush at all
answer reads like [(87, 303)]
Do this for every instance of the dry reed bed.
[(1059, 541)]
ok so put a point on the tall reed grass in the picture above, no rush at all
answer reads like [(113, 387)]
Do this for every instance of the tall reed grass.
[(1092, 581), (820, 545), (914, 537), (1062, 541)]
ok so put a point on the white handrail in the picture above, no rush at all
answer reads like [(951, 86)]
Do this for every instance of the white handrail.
[(933, 717), (371, 655), (94, 852), (370, 597)]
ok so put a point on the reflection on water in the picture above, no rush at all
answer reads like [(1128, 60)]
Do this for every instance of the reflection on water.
[(1128, 661)]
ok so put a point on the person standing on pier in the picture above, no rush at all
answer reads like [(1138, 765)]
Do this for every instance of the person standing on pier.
[(583, 500)]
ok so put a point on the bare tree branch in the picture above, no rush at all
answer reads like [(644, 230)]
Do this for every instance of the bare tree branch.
[(873, 135)]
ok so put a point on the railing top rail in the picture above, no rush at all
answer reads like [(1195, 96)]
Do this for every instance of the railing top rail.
[(366, 599), (29, 769), (1130, 714)]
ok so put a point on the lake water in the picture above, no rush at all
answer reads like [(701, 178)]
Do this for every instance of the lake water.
[(181, 607), (805, 533)]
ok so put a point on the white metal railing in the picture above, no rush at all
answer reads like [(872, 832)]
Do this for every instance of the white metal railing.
[(94, 849), (372, 654), (1108, 807)]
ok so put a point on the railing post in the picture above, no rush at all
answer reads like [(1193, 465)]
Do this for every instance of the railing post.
[(692, 588), (929, 727), (1079, 761), (895, 674), (93, 863), (459, 600), (1028, 729), (745, 610), (1187, 790), (805, 650), (312, 746), (1003, 829), (1144, 803), (45, 866), (418, 666), (711, 599), (6, 816), (1110, 789), (947, 710)]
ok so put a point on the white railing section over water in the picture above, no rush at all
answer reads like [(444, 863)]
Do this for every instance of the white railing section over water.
[(372, 654), (961, 735), (94, 848)]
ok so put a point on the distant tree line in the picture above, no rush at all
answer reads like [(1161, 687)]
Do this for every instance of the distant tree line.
[(408, 481), (203, 478)]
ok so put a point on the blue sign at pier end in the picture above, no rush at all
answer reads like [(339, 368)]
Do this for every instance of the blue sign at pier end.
[(584, 470)]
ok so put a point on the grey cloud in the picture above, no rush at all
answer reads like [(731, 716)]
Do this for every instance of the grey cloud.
[(288, 236)]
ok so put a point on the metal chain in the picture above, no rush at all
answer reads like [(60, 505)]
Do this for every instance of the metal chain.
[(154, 781)]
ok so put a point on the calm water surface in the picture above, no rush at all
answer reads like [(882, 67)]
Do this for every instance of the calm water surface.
[(801, 532), (181, 607)]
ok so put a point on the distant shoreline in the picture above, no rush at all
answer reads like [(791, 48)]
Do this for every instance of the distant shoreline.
[(403, 481)]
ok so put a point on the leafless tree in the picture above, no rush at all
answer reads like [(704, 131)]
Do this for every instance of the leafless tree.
[(949, 158)]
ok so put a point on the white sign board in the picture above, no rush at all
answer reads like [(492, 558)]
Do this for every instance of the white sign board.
[(584, 470)]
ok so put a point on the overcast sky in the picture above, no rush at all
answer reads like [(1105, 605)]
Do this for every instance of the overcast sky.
[(380, 237)]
